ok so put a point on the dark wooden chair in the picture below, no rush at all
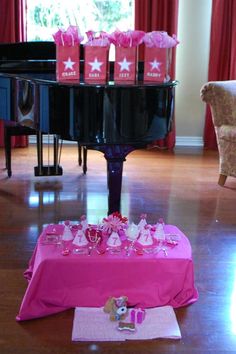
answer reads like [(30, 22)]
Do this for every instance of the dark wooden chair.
[(19, 130), (9, 131)]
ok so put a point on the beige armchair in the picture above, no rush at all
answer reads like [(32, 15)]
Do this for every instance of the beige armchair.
[(221, 96)]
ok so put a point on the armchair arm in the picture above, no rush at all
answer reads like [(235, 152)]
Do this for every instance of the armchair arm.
[(221, 96)]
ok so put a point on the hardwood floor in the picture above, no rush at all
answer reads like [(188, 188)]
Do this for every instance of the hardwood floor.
[(180, 186)]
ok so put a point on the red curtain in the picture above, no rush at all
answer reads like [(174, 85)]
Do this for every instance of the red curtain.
[(12, 29), (159, 15), (222, 60)]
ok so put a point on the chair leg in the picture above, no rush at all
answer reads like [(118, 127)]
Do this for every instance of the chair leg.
[(79, 154), (7, 145), (39, 137), (85, 159), (222, 179)]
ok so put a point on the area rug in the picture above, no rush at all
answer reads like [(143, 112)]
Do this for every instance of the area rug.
[(92, 324)]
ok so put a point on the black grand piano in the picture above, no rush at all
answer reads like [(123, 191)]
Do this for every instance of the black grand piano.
[(112, 118)]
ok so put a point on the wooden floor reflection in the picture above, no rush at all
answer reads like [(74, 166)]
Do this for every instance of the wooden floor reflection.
[(180, 186)]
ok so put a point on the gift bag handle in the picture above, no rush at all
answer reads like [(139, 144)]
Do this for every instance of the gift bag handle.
[(72, 39)]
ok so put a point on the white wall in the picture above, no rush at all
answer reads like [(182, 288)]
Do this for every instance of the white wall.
[(191, 69)]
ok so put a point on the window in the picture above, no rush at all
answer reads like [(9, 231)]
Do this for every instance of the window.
[(44, 17)]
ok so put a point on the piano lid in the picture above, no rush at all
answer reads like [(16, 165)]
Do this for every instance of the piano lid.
[(27, 51), (27, 57)]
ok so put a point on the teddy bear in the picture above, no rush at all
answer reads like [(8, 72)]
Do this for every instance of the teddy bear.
[(117, 308)]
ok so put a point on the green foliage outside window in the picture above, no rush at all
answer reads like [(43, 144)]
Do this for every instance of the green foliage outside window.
[(44, 17)]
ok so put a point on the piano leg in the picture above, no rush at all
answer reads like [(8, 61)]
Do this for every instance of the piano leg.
[(115, 156), (80, 154), (82, 150)]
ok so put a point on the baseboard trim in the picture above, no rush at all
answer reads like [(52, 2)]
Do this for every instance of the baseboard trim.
[(180, 140), (189, 141)]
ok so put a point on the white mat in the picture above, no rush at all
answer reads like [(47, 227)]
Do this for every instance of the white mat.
[(92, 324)]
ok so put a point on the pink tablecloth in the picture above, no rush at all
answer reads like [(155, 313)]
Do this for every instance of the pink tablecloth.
[(57, 282)]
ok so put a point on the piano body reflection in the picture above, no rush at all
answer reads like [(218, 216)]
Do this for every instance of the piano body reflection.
[(112, 118)]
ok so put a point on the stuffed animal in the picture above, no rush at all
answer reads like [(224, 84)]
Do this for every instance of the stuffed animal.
[(117, 308)]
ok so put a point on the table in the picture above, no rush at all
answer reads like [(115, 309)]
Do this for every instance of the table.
[(57, 282)]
